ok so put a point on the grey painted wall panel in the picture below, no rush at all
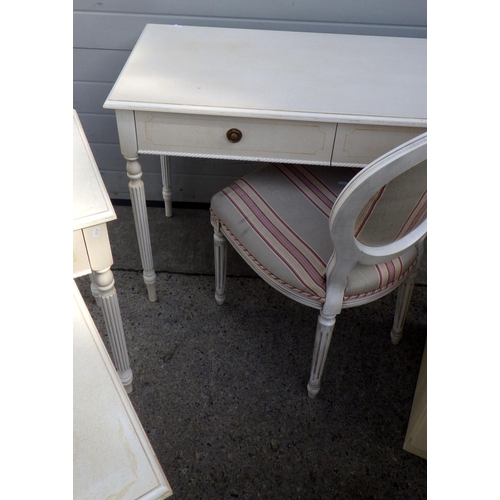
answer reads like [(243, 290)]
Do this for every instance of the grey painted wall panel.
[(98, 65), (396, 12), (90, 96), (99, 128), (105, 32), (120, 32), (186, 188)]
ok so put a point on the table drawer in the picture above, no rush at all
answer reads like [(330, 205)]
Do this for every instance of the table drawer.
[(361, 144), (260, 140)]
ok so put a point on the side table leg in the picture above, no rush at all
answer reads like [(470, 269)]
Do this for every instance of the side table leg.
[(138, 199), (105, 285), (95, 292), (166, 176)]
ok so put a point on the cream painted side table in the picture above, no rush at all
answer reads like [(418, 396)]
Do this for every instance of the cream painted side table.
[(92, 208), (112, 456), (259, 95)]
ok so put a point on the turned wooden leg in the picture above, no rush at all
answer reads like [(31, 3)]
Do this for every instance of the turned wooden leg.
[(138, 199), (405, 292), (324, 331), (105, 286), (167, 184), (95, 292), (220, 258)]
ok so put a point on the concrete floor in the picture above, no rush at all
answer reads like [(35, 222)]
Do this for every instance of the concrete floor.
[(221, 391)]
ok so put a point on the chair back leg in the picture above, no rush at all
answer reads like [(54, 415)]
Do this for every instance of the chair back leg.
[(405, 292), (220, 259)]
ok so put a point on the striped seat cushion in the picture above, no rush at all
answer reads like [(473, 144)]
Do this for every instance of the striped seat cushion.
[(278, 216)]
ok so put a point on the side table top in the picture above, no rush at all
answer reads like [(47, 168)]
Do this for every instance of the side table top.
[(91, 203), (112, 456)]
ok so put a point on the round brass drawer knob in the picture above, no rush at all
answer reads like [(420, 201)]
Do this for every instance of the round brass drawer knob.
[(234, 135)]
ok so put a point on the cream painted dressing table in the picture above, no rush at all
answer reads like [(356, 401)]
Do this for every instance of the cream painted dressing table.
[(255, 95), (92, 208)]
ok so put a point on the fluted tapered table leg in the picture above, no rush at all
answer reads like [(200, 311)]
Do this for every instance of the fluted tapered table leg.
[(138, 199), (104, 284), (103, 289)]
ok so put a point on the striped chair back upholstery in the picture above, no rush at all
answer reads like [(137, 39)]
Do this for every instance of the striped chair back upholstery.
[(395, 209)]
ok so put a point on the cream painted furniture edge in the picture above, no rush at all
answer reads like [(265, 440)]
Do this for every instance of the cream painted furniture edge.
[(112, 456), (296, 97), (416, 434), (92, 208)]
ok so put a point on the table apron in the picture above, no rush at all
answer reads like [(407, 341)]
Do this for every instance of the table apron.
[(202, 136)]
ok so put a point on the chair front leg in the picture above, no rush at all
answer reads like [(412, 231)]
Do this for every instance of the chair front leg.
[(220, 258), (324, 331)]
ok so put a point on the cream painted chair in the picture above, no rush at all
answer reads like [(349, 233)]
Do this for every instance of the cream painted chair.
[(328, 237)]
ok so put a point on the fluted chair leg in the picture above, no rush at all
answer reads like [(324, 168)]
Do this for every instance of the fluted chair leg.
[(324, 331), (405, 292), (220, 258)]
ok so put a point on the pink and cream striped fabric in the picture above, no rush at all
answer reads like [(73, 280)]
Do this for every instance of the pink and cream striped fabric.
[(265, 216), (288, 247), (316, 191), (394, 210)]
